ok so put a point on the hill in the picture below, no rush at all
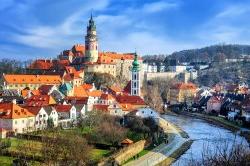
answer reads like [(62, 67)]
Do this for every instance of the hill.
[(211, 53)]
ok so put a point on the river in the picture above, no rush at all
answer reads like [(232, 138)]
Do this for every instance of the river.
[(205, 136)]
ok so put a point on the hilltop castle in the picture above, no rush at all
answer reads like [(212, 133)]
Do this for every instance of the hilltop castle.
[(88, 58)]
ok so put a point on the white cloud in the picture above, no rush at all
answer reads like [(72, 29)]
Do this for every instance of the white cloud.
[(224, 28), (61, 36), (158, 6), (233, 11)]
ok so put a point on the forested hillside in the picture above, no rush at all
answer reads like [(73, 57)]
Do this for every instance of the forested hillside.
[(206, 54)]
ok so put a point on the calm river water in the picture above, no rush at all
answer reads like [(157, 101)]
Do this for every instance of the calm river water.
[(206, 137)]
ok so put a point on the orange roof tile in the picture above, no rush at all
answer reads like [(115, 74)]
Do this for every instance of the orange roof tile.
[(42, 64), (100, 107), (127, 141), (127, 107), (79, 91), (87, 86), (95, 93), (114, 55), (184, 86), (25, 92), (78, 48), (32, 79), (115, 89), (13, 111)]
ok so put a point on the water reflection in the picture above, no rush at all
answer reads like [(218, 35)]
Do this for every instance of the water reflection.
[(206, 137)]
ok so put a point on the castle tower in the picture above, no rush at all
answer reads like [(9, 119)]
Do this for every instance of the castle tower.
[(135, 77), (91, 44)]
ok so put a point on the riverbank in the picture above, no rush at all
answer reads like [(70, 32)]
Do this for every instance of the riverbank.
[(176, 140), (176, 154), (220, 122)]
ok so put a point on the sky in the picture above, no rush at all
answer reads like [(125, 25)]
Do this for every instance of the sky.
[(31, 29)]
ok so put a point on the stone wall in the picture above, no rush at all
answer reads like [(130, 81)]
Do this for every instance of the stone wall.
[(128, 152)]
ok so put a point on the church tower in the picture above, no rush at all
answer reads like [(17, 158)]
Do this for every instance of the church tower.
[(91, 44), (135, 77)]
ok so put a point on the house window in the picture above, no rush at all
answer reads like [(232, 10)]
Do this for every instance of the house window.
[(151, 112), (23, 121), (135, 77), (143, 112), (134, 91), (15, 121)]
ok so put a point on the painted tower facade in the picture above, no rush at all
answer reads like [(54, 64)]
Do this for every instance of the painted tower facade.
[(135, 77), (91, 42)]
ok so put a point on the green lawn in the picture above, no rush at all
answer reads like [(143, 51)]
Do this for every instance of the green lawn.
[(30, 147), (64, 132), (98, 154), (6, 161)]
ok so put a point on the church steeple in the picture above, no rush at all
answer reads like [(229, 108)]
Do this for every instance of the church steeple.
[(91, 25), (136, 64), (91, 42), (135, 77)]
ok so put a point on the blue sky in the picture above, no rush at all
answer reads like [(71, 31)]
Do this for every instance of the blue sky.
[(31, 29)]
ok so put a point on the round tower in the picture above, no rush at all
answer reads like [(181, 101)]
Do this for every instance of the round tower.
[(135, 77), (91, 42)]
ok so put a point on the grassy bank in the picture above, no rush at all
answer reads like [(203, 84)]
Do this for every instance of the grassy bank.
[(176, 154), (6, 161)]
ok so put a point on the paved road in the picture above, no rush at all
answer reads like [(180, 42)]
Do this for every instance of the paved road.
[(161, 152)]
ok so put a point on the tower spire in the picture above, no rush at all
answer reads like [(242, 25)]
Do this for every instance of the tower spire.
[(135, 77)]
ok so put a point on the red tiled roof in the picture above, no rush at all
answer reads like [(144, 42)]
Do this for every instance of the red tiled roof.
[(115, 89), (127, 141), (78, 49), (63, 108), (127, 99), (107, 97), (44, 89), (33, 110), (77, 100), (42, 64), (40, 100), (184, 86), (100, 107), (13, 111), (127, 88)]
